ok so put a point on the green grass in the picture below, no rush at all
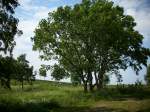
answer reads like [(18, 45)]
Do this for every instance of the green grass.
[(45, 96)]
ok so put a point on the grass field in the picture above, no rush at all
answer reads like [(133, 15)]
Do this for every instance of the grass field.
[(46, 96)]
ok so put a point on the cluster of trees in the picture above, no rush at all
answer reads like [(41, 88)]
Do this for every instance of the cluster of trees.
[(17, 69), (90, 40), (11, 68)]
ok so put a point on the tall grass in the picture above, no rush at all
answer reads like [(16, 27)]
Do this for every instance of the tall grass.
[(45, 96)]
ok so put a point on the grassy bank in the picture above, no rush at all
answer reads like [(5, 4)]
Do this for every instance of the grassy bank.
[(44, 96)]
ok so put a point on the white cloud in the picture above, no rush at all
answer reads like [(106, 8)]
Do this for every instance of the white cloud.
[(127, 4), (43, 12), (27, 5), (28, 25), (31, 14)]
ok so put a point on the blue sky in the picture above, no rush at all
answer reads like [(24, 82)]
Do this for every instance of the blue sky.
[(30, 12)]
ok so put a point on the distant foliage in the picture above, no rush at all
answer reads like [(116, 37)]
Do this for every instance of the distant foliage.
[(75, 79), (59, 73), (42, 71), (147, 76), (106, 79)]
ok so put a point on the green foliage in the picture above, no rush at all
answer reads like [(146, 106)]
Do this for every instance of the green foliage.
[(24, 71), (42, 71), (75, 79), (93, 36), (119, 78), (7, 65), (8, 30), (15, 69), (59, 73), (8, 25), (106, 79)]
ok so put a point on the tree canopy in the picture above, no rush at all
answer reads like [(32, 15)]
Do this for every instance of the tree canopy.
[(91, 39), (7, 70), (18, 69), (8, 30), (24, 71), (59, 72), (8, 25)]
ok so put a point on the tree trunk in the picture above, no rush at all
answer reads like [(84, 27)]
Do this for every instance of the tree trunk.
[(2, 82), (31, 82), (90, 79), (22, 84), (84, 82), (8, 83), (98, 86), (100, 78), (101, 81), (15, 81), (96, 79), (85, 87)]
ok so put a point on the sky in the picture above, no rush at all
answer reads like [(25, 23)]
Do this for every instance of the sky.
[(30, 12)]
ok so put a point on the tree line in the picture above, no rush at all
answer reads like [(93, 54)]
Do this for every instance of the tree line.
[(17, 69)]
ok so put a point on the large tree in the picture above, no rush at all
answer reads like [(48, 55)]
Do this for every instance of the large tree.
[(8, 25), (91, 39), (8, 30)]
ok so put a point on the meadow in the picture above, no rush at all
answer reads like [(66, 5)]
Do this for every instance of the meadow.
[(46, 96)]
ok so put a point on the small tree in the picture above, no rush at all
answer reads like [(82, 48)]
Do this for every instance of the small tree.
[(42, 71), (25, 72), (30, 76), (33, 77), (119, 78), (147, 76), (106, 79), (7, 69), (59, 73)]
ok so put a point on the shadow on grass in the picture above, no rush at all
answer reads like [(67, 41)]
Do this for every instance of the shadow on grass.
[(115, 94), (131, 92), (50, 107), (27, 107), (86, 109)]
